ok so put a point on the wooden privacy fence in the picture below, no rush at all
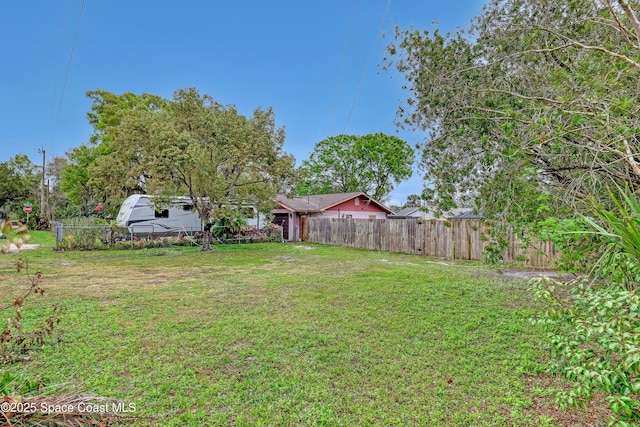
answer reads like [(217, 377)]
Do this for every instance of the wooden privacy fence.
[(459, 239)]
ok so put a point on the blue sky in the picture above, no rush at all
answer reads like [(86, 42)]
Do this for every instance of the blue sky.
[(317, 63)]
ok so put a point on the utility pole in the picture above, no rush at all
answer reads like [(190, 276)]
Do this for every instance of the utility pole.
[(42, 195)]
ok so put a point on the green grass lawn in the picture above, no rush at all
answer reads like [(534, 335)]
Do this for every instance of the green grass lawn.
[(284, 335)]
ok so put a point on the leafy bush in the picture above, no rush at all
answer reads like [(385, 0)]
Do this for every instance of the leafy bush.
[(593, 323), (593, 335), (579, 248), (10, 235), (88, 234), (229, 226)]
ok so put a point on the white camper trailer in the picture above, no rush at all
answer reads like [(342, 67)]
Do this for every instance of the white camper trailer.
[(138, 214)]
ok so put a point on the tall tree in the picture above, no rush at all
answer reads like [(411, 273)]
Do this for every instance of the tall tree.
[(221, 159), (20, 184), (56, 199), (529, 112), (119, 169), (75, 177), (413, 201), (372, 163), (107, 170)]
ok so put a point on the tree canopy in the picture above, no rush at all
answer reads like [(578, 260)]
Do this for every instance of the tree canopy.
[(20, 184), (106, 170), (187, 145), (372, 163), (531, 110)]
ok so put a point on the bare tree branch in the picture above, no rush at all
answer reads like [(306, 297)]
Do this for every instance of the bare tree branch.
[(624, 4)]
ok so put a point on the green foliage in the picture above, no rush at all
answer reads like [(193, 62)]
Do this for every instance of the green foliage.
[(413, 201), (229, 226), (75, 177), (212, 153), (620, 228), (13, 384), (107, 169), (593, 335), (578, 249), (593, 324), (372, 163), (88, 233), (10, 234), (20, 184), (536, 100)]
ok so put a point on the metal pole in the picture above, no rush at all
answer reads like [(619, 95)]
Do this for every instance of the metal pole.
[(42, 203)]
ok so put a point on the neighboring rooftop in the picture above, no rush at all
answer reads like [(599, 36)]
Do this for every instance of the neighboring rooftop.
[(322, 202), (428, 212)]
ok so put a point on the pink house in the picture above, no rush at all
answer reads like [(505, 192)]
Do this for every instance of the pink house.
[(293, 211)]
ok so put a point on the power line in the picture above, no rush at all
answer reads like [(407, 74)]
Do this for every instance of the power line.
[(364, 73), (66, 76), (344, 60), (56, 76)]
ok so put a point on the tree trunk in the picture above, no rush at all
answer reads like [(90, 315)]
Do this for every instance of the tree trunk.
[(206, 240)]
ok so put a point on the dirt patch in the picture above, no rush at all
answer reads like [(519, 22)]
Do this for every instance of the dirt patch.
[(306, 248), (384, 261), (531, 274), (596, 412), (26, 246)]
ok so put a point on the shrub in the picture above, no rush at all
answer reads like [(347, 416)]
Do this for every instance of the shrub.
[(229, 226), (88, 234), (593, 322), (579, 248), (593, 332), (17, 341)]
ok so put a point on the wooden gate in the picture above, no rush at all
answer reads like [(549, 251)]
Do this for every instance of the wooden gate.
[(303, 228)]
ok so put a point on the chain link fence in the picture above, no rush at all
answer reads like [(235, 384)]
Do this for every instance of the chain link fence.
[(70, 236)]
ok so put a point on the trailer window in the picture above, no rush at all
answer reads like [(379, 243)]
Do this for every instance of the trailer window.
[(162, 214)]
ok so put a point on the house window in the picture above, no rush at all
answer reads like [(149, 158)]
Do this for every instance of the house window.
[(372, 217), (162, 214), (357, 201), (187, 208), (348, 216)]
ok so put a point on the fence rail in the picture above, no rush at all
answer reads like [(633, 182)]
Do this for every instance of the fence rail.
[(460, 239)]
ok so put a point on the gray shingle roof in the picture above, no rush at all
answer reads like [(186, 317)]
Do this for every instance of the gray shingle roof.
[(429, 212), (411, 211)]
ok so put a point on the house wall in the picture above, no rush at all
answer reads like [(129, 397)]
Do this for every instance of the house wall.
[(358, 210), (355, 214), (362, 206)]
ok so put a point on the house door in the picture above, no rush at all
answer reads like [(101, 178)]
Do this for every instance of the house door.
[(283, 221)]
